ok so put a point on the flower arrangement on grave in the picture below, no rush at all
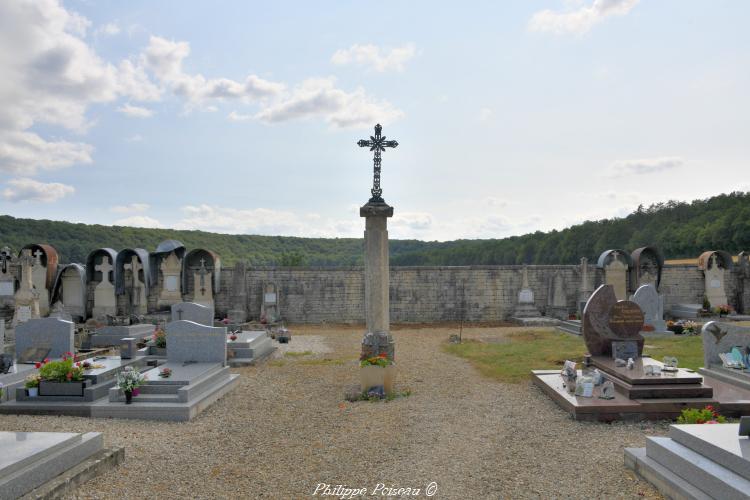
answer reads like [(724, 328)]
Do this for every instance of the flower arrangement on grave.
[(225, 321), (707, 415), (233, 337), (691, 328), (706, 304), (159, 338), (723, 310), (379, 360), (165, 372), (1, 392), (32, 381), (128, 381), (61, 371)]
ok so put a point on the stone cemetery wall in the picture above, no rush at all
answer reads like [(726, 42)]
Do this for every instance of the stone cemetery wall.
[(418, 294), (684, 284)]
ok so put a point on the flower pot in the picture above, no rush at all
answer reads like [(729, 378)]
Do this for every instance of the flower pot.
[(33, 392), (374, 376), (128, 397)]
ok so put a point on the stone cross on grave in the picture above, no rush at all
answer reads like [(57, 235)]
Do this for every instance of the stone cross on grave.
[(134, 268), (179, 313), (38, 257), (202, 271), (378, 145), (105, 267)]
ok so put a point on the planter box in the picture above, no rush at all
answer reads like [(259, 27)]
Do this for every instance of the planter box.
[(47, 388), (157, 351), (373, 376)]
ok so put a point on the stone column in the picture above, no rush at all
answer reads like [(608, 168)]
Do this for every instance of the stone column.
[(377, 339)]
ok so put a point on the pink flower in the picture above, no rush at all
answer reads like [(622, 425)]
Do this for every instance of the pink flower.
[(712, 422), (136, 391), (37, 365)]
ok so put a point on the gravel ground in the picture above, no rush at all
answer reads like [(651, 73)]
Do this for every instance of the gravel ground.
[(286, 428)]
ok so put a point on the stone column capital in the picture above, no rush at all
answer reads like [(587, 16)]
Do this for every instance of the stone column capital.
[(376, 210)]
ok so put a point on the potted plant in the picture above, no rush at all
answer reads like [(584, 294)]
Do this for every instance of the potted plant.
[(377, 372), (62, 378), (32, 385), (707, 415), (158, 343), (128, 382)]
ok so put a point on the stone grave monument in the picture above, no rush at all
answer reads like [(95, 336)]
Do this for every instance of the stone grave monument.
[(52, 333), (269, 309), (647, 266), (652, 305), (201, 273), (69, 296), (721, 338), (43, 273), (168, 263), (525, 307), (615, 264), (26, 298), (558, 302), (238, 313), (100, 278), (191, 311), (713, 264), (643, 390), (133, 281), (376, 211)]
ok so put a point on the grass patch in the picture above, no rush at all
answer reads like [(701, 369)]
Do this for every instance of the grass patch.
[(513, 361), (276, 362), (524, 351), (297, 354), (687, 349)]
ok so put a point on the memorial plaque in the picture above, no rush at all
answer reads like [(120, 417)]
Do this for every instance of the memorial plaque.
[(33, 355), (270, 298), (625, 319), (624, 349), (170, 283)]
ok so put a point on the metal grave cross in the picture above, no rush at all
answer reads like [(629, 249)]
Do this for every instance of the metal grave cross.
[(378, 145)]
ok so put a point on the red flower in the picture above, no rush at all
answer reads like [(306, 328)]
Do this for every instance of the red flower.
[(78, 364), (382, 355), (68, 353), (37, 365), (69, 375), (46, 360)]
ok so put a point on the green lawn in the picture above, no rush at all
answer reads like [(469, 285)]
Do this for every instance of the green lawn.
[(512, 361)]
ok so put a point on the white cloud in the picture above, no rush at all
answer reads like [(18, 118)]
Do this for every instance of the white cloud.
[(131, 208), (485, 114), (581, 19), (164, 58), (139, 221), (374, 58), (319, 98), (645, 166), (25, 189), (50, 75), (239, 117), (134, 111), (109, 29)]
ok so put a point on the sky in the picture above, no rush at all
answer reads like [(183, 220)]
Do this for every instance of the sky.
[(243, 117)]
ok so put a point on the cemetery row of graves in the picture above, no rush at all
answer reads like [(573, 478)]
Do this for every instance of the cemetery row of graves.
[(135, 334)]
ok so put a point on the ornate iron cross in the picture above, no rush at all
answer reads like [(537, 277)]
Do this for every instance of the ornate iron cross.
[(378, 145)]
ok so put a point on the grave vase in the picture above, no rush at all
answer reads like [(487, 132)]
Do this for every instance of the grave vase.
[(128, 397), (33, 392), (375, 376)]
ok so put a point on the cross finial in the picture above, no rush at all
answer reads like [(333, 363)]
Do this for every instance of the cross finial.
[(377, 144)]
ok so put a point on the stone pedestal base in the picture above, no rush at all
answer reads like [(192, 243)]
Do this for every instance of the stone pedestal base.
[(375, 344)]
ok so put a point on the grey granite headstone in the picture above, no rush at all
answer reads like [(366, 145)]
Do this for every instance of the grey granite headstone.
[(57, 334), (652, 305), (191, 311), (190, 341), (720, 338)]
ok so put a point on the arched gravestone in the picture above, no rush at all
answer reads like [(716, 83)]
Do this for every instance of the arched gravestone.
[(647, 266), (713, 264), (605, 319), (616, 265), (652, 305)]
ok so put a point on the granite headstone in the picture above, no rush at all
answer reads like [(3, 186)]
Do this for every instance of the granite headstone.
[(188, 341), (652, 305), (605, 320), (191, 311), (57, 334)]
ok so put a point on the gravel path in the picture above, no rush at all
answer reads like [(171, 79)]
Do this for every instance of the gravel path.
[(287, 428)]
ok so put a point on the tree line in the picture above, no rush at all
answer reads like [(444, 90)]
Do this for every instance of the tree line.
[(680, 229)]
